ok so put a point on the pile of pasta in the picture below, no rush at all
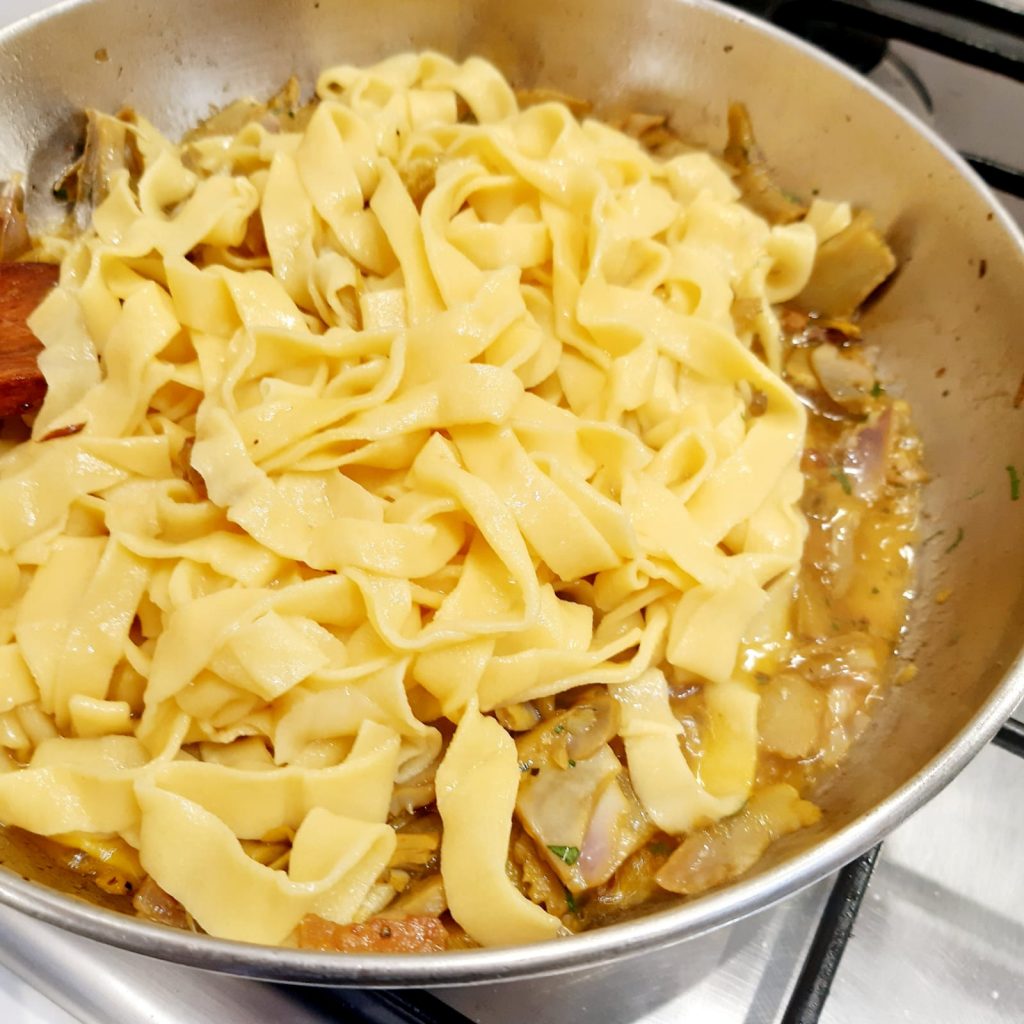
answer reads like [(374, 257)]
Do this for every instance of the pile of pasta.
[(477, 427)]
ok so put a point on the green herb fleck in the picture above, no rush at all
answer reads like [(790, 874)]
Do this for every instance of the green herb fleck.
[(844, 480), (571, 901), (956, 543), (559, 729), (1014, 483), (877, 390), (660, 849), (572, 763), (566, 854)]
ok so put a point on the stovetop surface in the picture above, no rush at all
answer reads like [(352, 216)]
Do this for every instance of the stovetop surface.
[(940, 937)]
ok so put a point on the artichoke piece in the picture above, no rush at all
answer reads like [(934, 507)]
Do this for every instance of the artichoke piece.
[(760, 192), (281, 113), (110, 146), (534, 876), (652, 131), (229, 120), (14, 236), (534, 97), (423, 898), (848, 268)]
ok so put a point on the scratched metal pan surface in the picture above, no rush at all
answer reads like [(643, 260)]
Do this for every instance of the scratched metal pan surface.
[(948, 327)]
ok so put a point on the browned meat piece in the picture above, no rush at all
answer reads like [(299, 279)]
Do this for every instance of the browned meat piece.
[(378, 935)]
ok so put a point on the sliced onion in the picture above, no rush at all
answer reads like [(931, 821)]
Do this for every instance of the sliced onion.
[(591, 723), (867, 457), (845, 380), (154, 904), (617, 829), (723, 851), (789, 717)]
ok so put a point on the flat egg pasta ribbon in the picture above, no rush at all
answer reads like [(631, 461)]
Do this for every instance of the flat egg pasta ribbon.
[(476, 791), (674, 798), (334, 861)]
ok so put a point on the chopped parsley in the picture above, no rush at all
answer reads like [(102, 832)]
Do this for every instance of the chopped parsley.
[(1014, 483), (570, 901), (844, 480), (572, 763), (559, 729), (956, 543), (566, 854), (877, 390)]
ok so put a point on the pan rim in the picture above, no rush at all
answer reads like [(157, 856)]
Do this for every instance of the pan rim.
[(614, 942)]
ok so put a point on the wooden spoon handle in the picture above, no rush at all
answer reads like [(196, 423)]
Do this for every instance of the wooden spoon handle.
[(22, 287)]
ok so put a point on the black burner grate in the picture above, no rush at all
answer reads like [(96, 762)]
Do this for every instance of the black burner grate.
[(830, 939), (979, 33), (973, 31), (976, 32)]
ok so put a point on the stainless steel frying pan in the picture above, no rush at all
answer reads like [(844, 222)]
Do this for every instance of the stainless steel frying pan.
[(950, 329)]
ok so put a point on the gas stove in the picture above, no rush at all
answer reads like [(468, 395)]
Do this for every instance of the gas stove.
[(930, 927)]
